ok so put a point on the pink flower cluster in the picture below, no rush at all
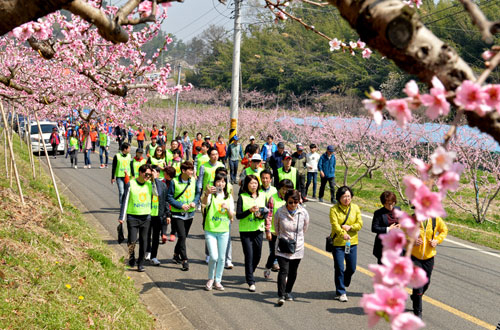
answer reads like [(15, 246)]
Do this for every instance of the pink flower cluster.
[(470, 96), (41, 30), (336, 44)]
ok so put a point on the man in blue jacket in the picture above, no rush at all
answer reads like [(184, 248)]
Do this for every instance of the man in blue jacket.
[(326, 168), (268, 149)]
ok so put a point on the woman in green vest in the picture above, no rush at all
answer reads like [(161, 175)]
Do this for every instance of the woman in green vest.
[(136, 208), (104, 141), (276, 201), (158, 159), (120, 168), (73, 149), (251, 211), (183, 196), (218, 216)]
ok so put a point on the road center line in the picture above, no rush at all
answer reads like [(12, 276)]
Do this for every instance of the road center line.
[(431, 301)]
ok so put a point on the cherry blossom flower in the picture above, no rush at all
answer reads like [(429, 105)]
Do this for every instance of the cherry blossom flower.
[(487, 55), (492, 98), (366, 53), (436, 100), (388, 301), (360, 44), (375, 105), (399, 109), (449, 180), (395, 240), (412, 3), (409, 224), (399, 270), (145, 8), (411, 89), (418, 278), (427, 204), (422, 168), (412, 184), (334, 44), (353, 44), (471, 97), (442, 160), (407, 321)]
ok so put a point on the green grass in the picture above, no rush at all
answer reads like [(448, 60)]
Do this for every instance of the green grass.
[(54, 271)]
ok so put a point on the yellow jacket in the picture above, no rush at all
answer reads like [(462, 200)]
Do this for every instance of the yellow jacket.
[(338, 213), (425, 250)]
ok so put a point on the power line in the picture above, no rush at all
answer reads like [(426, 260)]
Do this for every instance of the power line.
[(196, 19)]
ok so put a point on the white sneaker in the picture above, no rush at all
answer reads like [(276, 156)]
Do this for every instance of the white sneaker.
[(229, 265), (148, 256), (343, 298), (85, 166), (252, 288), (207, 259), (155, 261), (76, 167), (281, 301), (209, 285), (267, 274), (90, 166)]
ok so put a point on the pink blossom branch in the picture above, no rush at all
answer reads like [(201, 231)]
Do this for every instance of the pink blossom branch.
[(486, 27)]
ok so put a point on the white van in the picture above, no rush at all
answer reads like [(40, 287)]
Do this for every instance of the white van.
[(47, 127)]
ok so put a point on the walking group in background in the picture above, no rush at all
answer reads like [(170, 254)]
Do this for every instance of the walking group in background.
[(162, 186)]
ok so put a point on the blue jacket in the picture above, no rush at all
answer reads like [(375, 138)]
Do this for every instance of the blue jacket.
[(263, 153), (327, 165)]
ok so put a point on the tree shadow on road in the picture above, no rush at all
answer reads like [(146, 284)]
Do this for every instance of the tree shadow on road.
[(326, 295), (104, 210)]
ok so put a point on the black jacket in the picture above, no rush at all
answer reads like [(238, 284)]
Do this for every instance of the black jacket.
[(379, 226), (163, 206)]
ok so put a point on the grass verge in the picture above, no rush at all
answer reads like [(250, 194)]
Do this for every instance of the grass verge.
[(55, 273)]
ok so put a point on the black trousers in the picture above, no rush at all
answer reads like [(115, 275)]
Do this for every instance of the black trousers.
[(301, 185), (272, 252), (331, 182), (182, 227), (138, 225), (287, 275), (252, 249), (416, 297), (154, 236)]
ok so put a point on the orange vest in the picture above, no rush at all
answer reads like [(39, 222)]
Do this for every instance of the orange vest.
[(154, 133), (93, 136), (221, 148), (140, 135), (196, 143)]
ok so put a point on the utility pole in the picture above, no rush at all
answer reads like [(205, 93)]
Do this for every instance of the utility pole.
[(235, 81), (176, 102)]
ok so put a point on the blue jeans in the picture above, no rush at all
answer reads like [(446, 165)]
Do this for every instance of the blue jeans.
[(86, 155), (312, 176), (229, 250), (217, 245), (120, 182), (233, 168), (343, 277), (103, 150)]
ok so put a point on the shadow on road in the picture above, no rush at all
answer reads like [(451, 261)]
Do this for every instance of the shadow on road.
[(349, 310), (113, 210)]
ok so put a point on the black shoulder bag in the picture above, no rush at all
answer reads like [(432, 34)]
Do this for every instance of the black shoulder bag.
[(330, 238), (288, 245)]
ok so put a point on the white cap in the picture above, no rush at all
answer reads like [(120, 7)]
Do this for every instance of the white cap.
[(256, 156), (252, 137)]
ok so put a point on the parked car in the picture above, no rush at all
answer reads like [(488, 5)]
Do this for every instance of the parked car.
[(47, 127)]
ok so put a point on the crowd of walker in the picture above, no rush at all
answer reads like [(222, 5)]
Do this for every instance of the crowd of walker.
[(161, 186)]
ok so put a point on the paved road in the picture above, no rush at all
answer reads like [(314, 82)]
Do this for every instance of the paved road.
[(464, 293)]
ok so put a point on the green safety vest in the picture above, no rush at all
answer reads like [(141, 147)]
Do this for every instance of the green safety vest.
[(209, 174), (201, 160), (154, 206), (103, 139), (152, 150), (270, 193), (169, 156), (217, 219), (73, 142), (277, 203), (177, 166), (251, 223), (136, 165), (188, 195), (139, 199), (123, 163), (159, 162), (249, 171), (291, 175)]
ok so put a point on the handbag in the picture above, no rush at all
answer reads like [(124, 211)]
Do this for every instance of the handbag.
[(121, 237), (330, 238), (288, 245)]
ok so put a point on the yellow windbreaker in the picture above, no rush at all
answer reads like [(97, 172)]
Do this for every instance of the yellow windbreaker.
[(425, 250), (338, 213)]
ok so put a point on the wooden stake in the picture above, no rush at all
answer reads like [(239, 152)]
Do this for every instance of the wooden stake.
[(11, 137), (6, 156), (48, 162), (30, 148), (12, 157)]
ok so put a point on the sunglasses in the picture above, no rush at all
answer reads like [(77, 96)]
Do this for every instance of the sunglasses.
[(293, 202), (148, 175)]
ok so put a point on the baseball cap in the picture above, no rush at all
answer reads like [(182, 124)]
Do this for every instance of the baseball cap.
[(256, 157), (300, 146), (287, 154), (236, 138), (281, 145), (252, 137), (330, 148), (207, 137)]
